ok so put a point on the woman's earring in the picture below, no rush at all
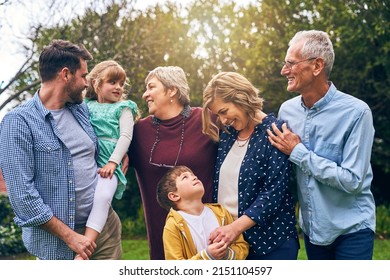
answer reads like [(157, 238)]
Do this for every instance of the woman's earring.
[(171, 100)]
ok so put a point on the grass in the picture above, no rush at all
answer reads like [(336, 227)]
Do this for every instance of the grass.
[(135, 249), (139, 250), (382, 249)]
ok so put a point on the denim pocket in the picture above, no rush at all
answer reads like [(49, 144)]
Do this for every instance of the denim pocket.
[(329, 151)]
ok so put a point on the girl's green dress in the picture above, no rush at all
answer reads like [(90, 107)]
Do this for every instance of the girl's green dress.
[(104, 118)]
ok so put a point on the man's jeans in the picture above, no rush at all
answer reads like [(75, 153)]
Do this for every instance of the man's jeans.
[(353, 246)]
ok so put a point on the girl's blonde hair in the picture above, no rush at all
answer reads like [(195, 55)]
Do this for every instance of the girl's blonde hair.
[(229, 87), (108, 70)]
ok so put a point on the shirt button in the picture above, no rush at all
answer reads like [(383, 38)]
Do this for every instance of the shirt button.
[(70, 181), (71, 199)]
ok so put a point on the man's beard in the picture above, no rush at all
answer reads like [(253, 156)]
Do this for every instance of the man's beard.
[(75, 94)]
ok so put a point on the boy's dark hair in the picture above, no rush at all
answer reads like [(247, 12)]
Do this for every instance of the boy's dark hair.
[(60, 54), (167, 184)]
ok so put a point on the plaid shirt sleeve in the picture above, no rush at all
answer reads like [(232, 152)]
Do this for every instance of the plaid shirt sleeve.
[(18, 164)]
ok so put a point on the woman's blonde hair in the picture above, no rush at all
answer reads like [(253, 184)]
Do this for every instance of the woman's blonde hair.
[(108, 70), (229, 87)]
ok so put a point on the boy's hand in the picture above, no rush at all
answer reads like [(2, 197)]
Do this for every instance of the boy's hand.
[(218, 250), (107, 171)]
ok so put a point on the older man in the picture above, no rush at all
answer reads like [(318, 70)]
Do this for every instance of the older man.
[(329, 139)]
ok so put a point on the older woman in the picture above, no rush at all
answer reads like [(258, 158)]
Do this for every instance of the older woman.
[(251, 176), (171, 135)]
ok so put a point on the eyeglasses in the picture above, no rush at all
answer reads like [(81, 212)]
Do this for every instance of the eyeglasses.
[(158, 141), (289, 64)]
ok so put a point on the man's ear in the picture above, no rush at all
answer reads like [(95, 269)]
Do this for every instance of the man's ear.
[(173, 196), (319, 65), (65, 74)]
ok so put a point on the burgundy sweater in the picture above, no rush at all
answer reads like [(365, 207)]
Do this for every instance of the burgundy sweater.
[(198, 153)]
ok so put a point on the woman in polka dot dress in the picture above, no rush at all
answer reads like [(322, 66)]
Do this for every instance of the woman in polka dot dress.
[(251, 176)]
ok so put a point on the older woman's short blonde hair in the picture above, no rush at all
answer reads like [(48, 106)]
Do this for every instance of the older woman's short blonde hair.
[(229, 87), (172, 77)]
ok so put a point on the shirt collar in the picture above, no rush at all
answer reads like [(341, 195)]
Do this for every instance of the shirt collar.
[(324, 100), (40, 107), (185, 113)]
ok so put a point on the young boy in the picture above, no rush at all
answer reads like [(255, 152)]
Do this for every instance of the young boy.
[(190, 222)]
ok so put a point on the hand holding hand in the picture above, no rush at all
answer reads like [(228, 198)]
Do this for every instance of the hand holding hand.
[(226, 234), (83, 246), (218, 250)]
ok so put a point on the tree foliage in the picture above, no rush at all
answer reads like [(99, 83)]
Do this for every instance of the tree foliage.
[(208, 36)]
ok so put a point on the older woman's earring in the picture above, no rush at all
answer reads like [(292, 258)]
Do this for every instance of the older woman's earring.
[(171, 100)]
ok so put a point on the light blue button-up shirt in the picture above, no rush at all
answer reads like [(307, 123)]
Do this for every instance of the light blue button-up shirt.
[(38, 171), (332, 164)]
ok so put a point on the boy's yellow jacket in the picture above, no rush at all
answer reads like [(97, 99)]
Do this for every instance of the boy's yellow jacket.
[(178, 243)]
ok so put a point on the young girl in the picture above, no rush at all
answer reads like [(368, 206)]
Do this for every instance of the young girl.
[(112, 119)]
